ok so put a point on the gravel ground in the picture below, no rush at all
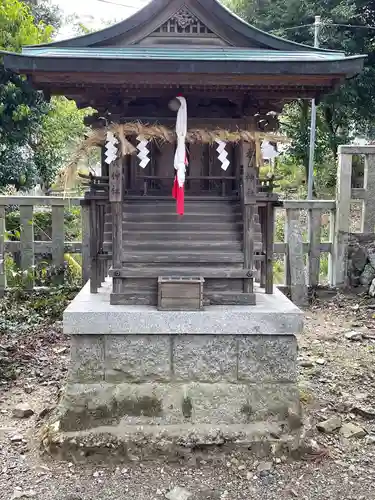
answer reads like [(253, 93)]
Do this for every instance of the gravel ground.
[(337, 378)]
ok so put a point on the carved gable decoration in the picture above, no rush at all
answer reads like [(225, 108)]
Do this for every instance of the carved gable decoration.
[(183, 27), (184, 22)]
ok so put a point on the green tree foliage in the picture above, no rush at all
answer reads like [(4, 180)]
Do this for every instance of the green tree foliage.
[(44, 11), (36, 136), (348, 111), (21, 108), (18, 27), (61, 128)]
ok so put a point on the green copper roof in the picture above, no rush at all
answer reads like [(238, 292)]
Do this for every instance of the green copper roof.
[(183, 54)]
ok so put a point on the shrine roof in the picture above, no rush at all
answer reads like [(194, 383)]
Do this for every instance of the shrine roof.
[(180, 37), (185, 53), (221, 60)]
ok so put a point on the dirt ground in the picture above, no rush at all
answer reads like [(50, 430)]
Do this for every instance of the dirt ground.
[(337, 377)]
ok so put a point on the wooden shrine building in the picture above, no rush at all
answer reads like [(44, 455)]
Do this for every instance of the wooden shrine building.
[(235, 79)]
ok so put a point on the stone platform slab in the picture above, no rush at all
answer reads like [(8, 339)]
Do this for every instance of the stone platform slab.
[(92, 314), (116, 444)]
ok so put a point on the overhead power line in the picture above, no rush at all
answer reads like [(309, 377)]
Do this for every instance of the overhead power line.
[(300, 26), (325, 24), (112, 2)]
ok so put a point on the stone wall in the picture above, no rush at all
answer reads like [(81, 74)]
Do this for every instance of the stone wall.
[(361, 261), (179, 379)]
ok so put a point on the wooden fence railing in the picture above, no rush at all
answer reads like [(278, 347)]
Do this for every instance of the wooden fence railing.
[(28, 248), (302, 241), (311, 228)]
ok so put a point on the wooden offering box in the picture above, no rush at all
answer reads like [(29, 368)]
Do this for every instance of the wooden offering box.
[(180, 293)]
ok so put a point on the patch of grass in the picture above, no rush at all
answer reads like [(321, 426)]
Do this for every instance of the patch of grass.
[(305, 396), (22, 311)]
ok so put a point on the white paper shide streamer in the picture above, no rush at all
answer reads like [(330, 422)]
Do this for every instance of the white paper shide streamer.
[(223, 154), (111, 148), (269, 151), (143, 151), (181, 131)]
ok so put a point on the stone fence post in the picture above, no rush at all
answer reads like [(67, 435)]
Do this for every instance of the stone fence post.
[(343, 197)]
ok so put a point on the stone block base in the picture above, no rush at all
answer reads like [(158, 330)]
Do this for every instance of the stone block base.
[(173, 443), (136, 371), (87, 406)]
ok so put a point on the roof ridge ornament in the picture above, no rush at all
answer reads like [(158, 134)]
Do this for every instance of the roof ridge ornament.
[(184, 17)]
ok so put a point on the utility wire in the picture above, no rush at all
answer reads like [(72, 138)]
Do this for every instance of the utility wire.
[(296, 27), (116, 3), (351, 26), (324, 24)]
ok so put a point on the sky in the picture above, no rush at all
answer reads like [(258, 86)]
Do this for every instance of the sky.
[(97, 13)]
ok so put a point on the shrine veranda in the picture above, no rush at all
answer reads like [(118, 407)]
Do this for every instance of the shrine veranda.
[(180, 329)]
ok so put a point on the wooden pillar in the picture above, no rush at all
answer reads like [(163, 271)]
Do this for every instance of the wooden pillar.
[(94, 285), (86, 264), (58, 241), (27, 245), (249, 203), (269, 216), (116, 173)]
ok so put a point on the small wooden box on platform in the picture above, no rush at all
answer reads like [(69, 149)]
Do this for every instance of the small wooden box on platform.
[(180, 293)]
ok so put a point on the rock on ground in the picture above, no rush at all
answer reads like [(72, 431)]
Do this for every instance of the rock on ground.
[(354, 335), (23, 410), (367, 275), (330, 425), (350, 430), (178, 494)]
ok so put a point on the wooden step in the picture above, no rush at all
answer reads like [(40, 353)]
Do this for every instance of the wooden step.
[(180, 245), (219, 252), (136, 297), (187, 236), (196, 217), (155, 272), (162, 226), (170, 257), (203, 208), (230, 298), (134, 198)]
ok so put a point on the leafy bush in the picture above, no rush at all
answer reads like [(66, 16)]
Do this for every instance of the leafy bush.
[(43, 224), (22, 311)]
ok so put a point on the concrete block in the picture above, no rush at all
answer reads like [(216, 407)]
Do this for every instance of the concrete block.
[(217, 404), (240, 403), (150, 404), (205, 358), (273, 400), (141, 358), (87, 359), (85, 406), (264, 358)]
